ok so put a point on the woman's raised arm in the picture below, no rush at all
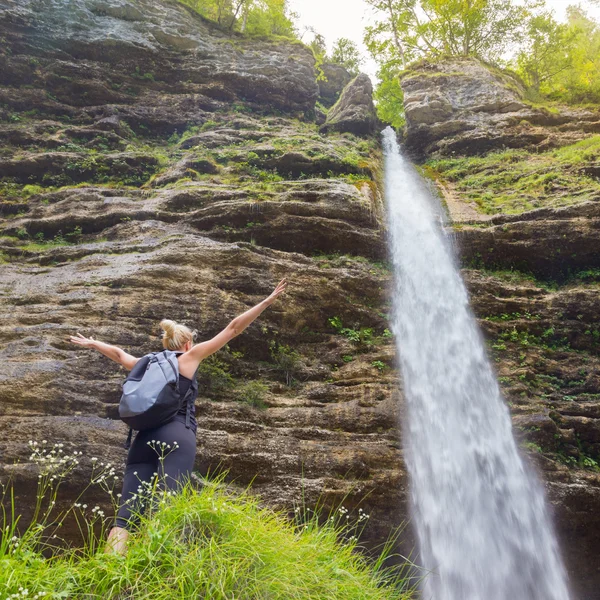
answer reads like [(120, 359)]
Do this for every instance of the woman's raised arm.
[(199, 352), (113, 352)]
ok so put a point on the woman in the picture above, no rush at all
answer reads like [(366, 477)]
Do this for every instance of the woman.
[(143, 459)]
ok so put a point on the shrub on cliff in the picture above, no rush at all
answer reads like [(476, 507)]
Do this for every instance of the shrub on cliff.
[(208, 544), (560, 60), (252, 17)]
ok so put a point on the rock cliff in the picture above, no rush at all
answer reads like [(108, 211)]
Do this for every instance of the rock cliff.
[(354, 112), (153, 166), (525, 214), (462, 106)]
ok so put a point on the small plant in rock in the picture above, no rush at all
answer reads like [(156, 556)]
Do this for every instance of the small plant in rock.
[(214, 377), (379, 365), (363, 337), (533, 447), (31, 190), (253, 393), (75, 235), (287, 361)]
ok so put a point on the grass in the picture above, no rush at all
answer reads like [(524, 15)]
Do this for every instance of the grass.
[(241, 163), (515, 181), (210, 544), (577, 277)]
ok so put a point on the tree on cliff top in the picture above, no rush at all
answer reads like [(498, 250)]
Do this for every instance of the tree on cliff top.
[(412, 29), (562, 60), (345, 53), (253, 17), (547, 52)]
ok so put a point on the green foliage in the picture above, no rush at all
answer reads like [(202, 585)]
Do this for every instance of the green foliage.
[(407, 30), (533, 447), (363, 337), (412, 29), (588, 275), (388, 94), (336, 323), (512, 316), (137, 74), (38, 242), (378, 364), (253, 393), (547, 51), (32, 190), (524, 338), (252, 17), (207, 544), (73, 236), (562, 61), (345, 53), (514, 181), (587, 462), (319, 46), (213, 376), (287, 361), (559, 61)]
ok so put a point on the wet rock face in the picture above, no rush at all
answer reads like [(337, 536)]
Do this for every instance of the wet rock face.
[(549, 243), (354, 112), (152, 167), (154, 42), (461, 106)]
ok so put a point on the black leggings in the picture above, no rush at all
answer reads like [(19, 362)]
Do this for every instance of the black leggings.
[(143, 462)]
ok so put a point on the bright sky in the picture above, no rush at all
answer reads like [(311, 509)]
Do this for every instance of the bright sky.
[(347, 18)]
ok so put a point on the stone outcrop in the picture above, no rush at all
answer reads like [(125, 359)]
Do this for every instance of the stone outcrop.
[(549, 243), (152, 166), (354, 112), (336, 78), (462, 106)]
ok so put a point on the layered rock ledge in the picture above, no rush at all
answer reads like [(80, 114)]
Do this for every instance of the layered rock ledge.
[(465, 107)]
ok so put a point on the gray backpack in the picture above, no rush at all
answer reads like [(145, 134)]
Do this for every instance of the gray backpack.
[(151, 394)]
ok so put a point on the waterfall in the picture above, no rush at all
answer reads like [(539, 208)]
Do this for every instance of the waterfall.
[(480, 515)]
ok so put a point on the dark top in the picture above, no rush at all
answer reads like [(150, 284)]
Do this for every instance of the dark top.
[(184, 386)]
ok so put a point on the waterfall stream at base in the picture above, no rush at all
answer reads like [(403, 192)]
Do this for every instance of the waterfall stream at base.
[(480, 515)]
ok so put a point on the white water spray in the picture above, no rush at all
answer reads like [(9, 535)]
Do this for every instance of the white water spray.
[(480, 515)]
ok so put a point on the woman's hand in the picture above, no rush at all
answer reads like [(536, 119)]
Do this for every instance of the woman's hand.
[(113, 352), (276, 292), (83, 341)]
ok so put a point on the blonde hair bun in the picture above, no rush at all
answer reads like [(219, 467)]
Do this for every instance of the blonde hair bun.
[(175, 335)]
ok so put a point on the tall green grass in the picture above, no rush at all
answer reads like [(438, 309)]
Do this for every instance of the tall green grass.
[(202, 544), (513, 181)]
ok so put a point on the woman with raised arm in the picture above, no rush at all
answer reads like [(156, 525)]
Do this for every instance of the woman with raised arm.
[(177, 464)]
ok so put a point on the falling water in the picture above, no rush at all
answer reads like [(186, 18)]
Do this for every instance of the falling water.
[(480, 515)]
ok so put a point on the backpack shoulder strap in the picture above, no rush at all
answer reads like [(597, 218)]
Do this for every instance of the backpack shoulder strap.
[(188, 404)]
